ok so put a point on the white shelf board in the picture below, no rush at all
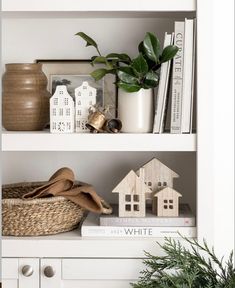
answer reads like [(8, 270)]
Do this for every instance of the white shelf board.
[(45, 141), (72, 245), (101, 5)]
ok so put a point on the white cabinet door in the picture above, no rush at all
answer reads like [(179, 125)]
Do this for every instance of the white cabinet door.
[(10, 275), (28, 273), (20, 273), (101, 273), (89, 273), (50, 273)]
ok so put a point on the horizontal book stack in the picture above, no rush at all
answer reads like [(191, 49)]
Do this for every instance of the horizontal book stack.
[(175, 94), (149, 226)]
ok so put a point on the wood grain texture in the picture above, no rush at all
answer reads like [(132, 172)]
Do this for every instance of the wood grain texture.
[(167, 202)]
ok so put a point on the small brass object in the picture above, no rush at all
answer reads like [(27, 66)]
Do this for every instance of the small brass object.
[(96, 121)]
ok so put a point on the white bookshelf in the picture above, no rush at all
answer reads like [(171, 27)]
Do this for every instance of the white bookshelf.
[(44, 141), (72, 245), (208, 159)]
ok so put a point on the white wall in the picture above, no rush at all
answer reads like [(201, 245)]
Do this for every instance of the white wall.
[(27, 39)]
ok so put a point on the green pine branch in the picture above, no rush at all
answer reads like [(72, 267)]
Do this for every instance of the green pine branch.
[(197, 267)]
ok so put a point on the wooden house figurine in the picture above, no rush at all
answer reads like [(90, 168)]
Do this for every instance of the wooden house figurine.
[(157, 176), (85, 98), (61, 111), (132, 190), (167, 202)]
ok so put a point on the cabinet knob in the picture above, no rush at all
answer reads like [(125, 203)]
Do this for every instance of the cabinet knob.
[(27, 270), (49, 272)]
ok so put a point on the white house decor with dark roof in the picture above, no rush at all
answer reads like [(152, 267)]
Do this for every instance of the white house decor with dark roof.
[(153, 181)]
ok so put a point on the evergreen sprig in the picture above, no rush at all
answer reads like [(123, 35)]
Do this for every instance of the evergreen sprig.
[(195, 267)]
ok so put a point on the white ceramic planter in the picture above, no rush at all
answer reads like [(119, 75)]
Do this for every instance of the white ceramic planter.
[(135, 110)]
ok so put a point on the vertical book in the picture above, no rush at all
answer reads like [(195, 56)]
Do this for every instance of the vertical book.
[(161, 100), (187, 76), (177, 79)]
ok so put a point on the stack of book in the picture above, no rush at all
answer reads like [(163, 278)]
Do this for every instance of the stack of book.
[(149, 226), (175, 94)]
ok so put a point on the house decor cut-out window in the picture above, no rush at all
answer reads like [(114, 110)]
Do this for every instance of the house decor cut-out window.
[(164, 184), (128, 198), (136, 208), (128, 207), (136, 198)]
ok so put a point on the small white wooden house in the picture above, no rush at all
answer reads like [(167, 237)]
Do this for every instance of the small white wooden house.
[(85, 97), (157, 176), (167, 202), (132, 191), (61, 111)]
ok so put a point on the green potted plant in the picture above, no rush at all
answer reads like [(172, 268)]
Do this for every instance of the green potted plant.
[(193, 267), (136, 79)]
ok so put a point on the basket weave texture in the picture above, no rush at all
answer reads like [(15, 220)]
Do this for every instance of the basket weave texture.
[(36, 217)]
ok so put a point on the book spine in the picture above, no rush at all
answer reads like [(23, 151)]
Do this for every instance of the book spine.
[(187, 75), (193, 76), (166, 91), (157, 222), (161, 88), (137, 232), (177, 79)]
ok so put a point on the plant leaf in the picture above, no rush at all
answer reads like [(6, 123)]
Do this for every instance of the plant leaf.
[(168, 53), (141, 47), (89, 40), (126, 74), (151, 46), (151, 79), (140, 65), (123, 57), (103, 60), (128, 87), (99, 73)]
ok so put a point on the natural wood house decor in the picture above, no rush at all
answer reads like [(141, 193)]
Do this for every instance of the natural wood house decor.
[(167, 202), (61, 111), (132, 190), (153, 181)]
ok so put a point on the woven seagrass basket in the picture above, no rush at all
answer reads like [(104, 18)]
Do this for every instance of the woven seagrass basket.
[(42, 216)]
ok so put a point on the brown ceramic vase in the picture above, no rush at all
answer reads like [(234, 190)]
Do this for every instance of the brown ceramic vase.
[(25, 97)]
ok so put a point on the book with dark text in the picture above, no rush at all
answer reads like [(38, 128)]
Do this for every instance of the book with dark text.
[(185, 218), (91, 228), (177, 79)]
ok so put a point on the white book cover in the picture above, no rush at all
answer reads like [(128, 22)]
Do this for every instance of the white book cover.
[(187, 75), (166, 92), (164, 74), (177, 79), (90, 228), (185, 218), (193, 77)]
